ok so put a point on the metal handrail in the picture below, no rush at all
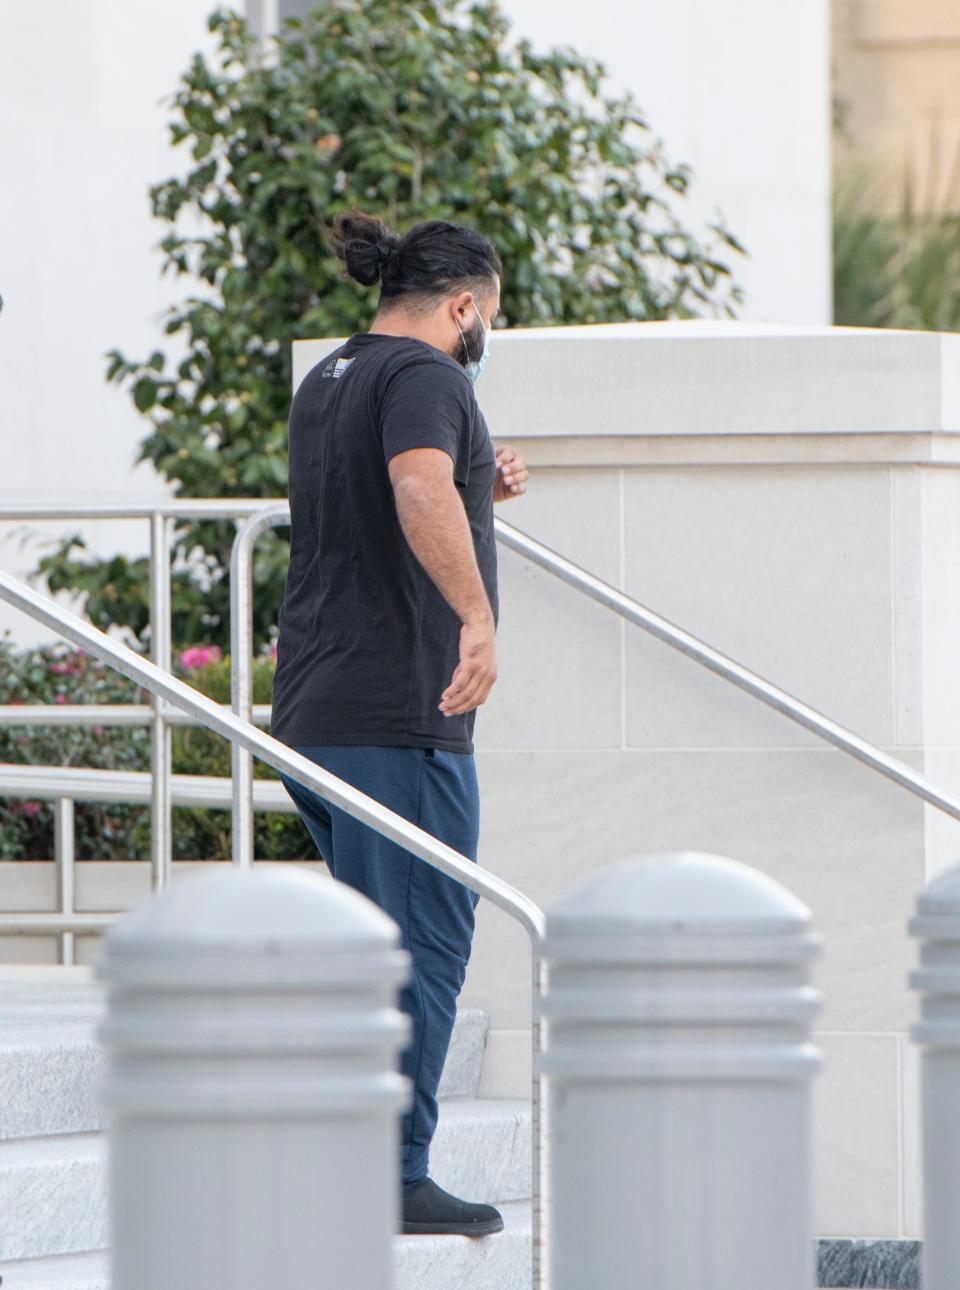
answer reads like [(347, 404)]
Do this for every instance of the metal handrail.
[(274, 753), (742, 677), (606, 594), (107, 784), (105, 714), (411, 837), (178, 508)]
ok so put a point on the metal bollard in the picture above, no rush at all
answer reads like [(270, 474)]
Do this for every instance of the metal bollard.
[(678, 1074), (251, 1091), (937, 924)]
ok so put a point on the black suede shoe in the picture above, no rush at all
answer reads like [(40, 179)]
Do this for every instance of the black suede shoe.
[(428, 1208)]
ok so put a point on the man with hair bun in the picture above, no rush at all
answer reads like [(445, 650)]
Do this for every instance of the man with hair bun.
[(387, 631)]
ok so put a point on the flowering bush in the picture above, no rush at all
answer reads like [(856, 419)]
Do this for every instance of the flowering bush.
[(199, 655), (60, 673)]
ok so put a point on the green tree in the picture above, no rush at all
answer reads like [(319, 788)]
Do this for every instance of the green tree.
[(412, 110)]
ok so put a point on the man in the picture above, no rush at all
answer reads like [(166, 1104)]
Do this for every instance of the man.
[(387, 632)]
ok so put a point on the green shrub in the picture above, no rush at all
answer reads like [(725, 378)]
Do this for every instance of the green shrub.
[(121, 831)]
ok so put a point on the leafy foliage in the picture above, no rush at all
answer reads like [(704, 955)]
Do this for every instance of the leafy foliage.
[(118, 830), (59, 674), (414, 110)]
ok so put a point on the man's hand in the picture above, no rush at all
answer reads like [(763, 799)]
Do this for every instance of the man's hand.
[(474, 675), (511, 479)]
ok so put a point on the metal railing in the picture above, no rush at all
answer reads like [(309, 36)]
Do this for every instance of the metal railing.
[(159, 517), (241, 625), (241, 666), (66, 785), (237, 725), (239, 731), (742, 677), (254, 517)]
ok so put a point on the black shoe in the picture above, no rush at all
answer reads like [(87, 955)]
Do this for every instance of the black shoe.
[(428, 1208)]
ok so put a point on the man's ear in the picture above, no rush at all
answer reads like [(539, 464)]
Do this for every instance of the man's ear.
[(461, 306)]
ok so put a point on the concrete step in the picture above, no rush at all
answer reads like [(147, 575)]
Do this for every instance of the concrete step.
[(51, 1063), (52, 1196), (53, 1188), (482, 1148), (500, 1262)]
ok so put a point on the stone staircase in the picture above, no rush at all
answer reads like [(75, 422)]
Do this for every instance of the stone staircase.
[(53, 1214)]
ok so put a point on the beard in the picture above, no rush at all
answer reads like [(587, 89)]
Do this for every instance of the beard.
[(469, 348)]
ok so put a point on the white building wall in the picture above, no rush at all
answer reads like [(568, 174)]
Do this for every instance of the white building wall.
[(82, 136), (741, 92)]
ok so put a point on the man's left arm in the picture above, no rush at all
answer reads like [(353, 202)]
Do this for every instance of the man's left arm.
[(511, 476)]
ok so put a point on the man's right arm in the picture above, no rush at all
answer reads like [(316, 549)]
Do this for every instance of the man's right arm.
[(435, 524)]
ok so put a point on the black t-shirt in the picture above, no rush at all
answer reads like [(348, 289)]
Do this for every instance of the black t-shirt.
[(367, 642)]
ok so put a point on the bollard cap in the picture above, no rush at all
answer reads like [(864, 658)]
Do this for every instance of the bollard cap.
[(938, 909), (635, 1019), (275, 919), (941, 895), (937, 979), (677, 892), (687, 905)]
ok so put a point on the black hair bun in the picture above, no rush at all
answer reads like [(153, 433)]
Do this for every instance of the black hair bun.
[(365, 245)]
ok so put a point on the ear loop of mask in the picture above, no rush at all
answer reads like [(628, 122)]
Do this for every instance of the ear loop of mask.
[(466, 348)]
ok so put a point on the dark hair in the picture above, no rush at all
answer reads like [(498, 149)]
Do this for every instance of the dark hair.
[(428, 261)]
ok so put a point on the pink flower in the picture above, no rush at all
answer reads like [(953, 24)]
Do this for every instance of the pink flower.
[(61, 698), (198, 655), (64, 668), (29, 808), (273, 650), (98, 731), (21, 739)]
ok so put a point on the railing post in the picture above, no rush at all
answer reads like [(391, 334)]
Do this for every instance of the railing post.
[(64, 851), (540, 1201), (161, 823), (937, 979), (241, 670), (678, 1069), (251, 1092)]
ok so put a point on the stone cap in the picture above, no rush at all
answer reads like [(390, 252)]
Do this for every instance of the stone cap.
[(709, 379)]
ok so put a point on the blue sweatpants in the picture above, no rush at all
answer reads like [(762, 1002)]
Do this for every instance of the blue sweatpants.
[(437, 790)]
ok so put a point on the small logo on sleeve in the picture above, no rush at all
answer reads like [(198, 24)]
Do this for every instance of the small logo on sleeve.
[(333, 371)]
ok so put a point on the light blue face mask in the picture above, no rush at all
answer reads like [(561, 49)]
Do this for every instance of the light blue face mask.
[(474, 366)]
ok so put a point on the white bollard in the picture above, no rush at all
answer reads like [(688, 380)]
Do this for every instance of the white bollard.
[(937, 924), (251, 1091), (678, 1069)]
